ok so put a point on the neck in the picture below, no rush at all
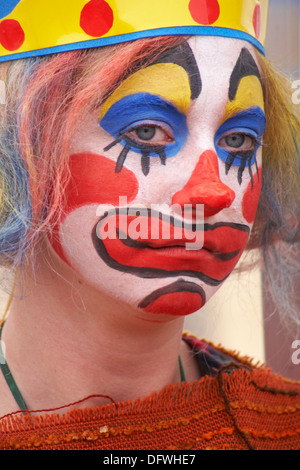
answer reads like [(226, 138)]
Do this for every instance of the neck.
[(64, 341)]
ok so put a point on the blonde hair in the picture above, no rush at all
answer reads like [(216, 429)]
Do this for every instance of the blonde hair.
[(278, 212)]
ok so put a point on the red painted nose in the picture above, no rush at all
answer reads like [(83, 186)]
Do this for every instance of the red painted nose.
[(205, 187)]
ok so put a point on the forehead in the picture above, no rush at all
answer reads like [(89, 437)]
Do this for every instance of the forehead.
[(218, 52), (229, 72)]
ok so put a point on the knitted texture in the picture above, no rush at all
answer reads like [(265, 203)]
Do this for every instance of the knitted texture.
[(241, 407)]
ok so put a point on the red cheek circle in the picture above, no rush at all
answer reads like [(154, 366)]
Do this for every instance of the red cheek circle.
[(204, 12), (176, 303), (93, 181), (251, 197), (96, 18)]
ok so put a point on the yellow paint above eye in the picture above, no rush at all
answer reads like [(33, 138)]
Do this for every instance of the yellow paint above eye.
[(169, 81), (249, 93)]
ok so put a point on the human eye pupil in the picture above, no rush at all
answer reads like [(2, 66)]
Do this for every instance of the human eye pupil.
[(145, 132), (235, 140)]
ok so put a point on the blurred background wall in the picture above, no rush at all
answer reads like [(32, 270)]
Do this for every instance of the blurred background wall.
[(283, 48)]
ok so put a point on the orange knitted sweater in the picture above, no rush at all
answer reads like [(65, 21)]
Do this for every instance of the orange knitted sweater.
[(238, 406)]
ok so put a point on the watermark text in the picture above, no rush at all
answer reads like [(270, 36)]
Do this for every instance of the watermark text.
[(296, 94), (2, 92), (183, 225), (296, 353), (2, 352)]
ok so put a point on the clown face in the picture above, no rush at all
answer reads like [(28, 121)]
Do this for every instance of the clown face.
[(183, 133)]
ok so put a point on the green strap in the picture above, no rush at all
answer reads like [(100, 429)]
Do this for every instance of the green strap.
[(182, 374), (9, 378)]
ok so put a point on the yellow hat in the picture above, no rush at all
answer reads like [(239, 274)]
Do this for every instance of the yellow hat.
[(38, 27)]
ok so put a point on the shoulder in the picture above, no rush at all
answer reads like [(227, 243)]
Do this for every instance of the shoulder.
[(213, 359)]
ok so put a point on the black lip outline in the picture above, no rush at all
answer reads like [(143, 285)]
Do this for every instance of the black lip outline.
[(152, 273), (178, 286), (138, 244)]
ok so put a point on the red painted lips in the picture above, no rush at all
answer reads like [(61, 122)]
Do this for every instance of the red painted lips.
[(149, 257)]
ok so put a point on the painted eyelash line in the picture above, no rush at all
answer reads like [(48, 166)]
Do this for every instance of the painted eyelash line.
[(251, 122), (145, 158), (118, 122), (246, 157)]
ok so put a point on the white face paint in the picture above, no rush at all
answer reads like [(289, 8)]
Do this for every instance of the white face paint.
[(184, 132)]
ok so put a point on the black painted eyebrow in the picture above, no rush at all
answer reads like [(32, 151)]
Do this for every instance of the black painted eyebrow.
[(244, 67), (183, 56)]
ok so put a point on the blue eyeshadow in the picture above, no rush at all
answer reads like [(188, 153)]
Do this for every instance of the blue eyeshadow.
[(251, 122), (141, 108)]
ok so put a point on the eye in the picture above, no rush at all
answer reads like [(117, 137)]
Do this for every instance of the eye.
[(237, 141), (145, 132), (145, 125), (238, 149), (145, 138), (150, 134)]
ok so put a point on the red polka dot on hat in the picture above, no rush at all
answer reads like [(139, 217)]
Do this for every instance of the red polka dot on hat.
[(204, 12), (257, 20), (11, 35), (96, 18)]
